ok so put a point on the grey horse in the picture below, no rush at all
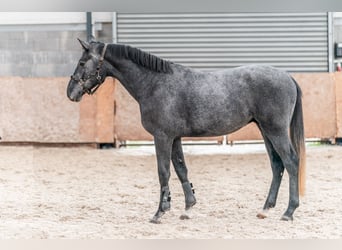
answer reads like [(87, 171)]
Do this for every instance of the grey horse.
[(177, 101)]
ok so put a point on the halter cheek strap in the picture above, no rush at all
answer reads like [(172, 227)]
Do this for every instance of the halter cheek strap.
[(98, 68), (103, 52), (101, 61)]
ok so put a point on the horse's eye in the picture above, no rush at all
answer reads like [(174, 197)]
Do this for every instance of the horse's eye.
[(82, 63)]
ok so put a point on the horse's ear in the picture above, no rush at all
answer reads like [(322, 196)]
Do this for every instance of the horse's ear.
[(84, 44)]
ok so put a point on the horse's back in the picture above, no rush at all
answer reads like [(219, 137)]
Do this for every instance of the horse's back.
[(262, 77)]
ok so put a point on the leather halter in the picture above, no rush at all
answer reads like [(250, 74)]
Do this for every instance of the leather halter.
[(95, 76)]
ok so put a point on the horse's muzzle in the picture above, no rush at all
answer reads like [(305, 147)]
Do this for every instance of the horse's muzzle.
[(74, 91)]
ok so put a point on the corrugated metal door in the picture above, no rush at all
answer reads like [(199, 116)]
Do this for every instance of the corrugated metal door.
[(296, 42)]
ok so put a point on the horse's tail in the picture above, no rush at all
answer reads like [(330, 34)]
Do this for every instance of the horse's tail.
[(298, 138)]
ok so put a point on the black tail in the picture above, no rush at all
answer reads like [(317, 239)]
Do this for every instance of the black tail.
[(298, 138)]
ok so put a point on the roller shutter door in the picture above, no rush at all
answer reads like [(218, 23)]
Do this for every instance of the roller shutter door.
[(296, 42)]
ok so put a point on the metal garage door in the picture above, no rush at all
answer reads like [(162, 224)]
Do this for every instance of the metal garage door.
[(296, 42)]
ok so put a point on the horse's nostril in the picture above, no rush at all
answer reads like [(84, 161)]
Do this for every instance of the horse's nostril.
[(71, 96), (75, 97)]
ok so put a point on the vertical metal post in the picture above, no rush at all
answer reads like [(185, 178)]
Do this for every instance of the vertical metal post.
[(115, 28), (331, 42), (89, 26), (117, 143)]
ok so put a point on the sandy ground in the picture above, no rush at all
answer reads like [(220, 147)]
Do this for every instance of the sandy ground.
[(87, 193)]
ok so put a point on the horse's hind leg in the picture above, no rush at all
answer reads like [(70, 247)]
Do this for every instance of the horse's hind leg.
[(283, 146), (277, 171), (182, 173)]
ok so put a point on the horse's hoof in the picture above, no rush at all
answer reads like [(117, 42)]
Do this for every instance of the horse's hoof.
[(155, 220), (186, 214), (190, 204), (262, 215), (287, 218), (184, 217)]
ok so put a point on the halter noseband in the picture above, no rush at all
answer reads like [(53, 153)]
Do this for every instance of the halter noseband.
[(96, 76)]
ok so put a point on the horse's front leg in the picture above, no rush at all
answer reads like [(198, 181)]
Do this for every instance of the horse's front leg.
[(163, 145)]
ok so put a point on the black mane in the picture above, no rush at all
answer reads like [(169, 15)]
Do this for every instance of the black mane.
[(140, 57)]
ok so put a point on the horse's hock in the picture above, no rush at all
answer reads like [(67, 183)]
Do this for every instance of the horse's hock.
[(37, 110)]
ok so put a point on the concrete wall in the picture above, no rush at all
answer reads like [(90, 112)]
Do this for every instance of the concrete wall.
[(38, 53), (96, 122), (319, 106), (338, 81), (37, 110), (322, 100), (127, 124), (34, 68), (43, 53)]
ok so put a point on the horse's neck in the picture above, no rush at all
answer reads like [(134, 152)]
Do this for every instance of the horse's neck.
[(134, 77)]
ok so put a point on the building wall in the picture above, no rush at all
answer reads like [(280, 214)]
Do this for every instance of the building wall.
[(45, 49), (337, 36), (34, 69), (39, 53), (338, 27), (45, 44), (321, 107), (38, 110), (295, 42), (27, 115)]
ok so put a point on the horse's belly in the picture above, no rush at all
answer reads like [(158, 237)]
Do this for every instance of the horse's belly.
[(215, 125)]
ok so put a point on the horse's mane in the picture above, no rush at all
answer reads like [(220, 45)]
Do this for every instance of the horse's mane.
[(140, 57)]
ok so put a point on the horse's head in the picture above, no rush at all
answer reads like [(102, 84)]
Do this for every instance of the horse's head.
[(90, 72)]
